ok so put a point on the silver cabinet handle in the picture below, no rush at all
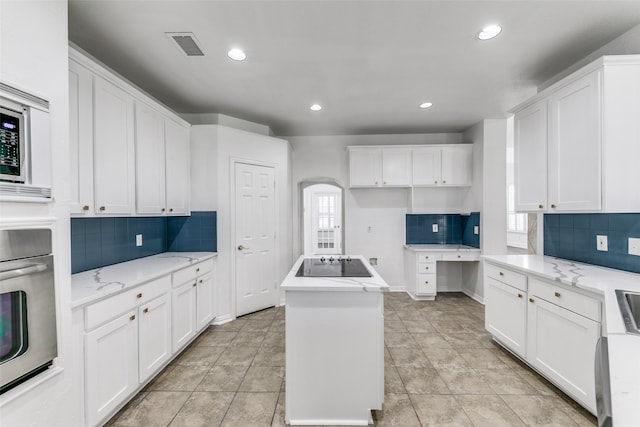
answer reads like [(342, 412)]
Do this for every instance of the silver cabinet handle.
[(240, 248), (22, 271)]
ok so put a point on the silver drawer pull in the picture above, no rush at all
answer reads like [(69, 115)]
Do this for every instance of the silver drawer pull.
[(519, 295), (501, 273), (557, 294)]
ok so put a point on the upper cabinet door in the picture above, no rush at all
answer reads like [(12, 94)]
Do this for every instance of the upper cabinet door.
[(456, 165), (575, 145), (81, 139), (396, 167), (177, 167), (150, 186), (426, 166), (530, 156), (364, 168), (114, 167)]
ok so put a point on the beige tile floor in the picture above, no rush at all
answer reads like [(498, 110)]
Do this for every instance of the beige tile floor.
[(441, 368)]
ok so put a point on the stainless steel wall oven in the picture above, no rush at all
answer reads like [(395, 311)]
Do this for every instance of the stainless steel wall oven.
[(28, 342)]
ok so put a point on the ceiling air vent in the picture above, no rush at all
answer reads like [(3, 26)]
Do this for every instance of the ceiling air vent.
[(187, 43)]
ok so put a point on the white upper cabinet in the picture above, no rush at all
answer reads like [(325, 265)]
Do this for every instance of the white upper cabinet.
[(410, 165), (177, 167), (574, 145), (578, 138), (80, 139), (427, 165), (442, 165), (364, 167), (456, 165), (150, 158), (530, 154), (113, 150), (129, 154), (396, 167)]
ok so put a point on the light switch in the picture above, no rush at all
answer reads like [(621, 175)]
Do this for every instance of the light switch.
[(476, 229), (434, 228), (634, 246), (602, 243), (138, 239)]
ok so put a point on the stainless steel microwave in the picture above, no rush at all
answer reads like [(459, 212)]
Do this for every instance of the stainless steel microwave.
[(25, 146)]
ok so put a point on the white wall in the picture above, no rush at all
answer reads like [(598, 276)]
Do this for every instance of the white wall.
[(214, 149), (33, 57), (488, 196), (374, 218)]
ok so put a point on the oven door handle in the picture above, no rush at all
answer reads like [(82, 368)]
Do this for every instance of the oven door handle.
[(22, 271)]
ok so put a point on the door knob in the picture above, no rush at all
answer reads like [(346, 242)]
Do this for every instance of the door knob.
[(240, 247)]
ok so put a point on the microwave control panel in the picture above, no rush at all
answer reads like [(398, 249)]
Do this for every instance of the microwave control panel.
[(10, 143)]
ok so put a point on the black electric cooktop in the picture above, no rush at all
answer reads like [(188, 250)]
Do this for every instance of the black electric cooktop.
[(332, 267)]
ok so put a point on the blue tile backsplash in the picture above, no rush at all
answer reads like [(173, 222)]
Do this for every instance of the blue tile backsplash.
[(453, 229), (573, 236), (96, 242), (193, 233)]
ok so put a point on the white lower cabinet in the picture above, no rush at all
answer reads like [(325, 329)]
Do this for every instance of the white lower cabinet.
[(130, 336), (561, 345), (192, 302), (111, 365), (551, 327), (183, 324), (507, 317), (154, 336)]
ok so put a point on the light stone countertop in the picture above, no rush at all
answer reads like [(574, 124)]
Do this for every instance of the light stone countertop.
[(375, 283), (93, 285), (624, 348), (441, 248)]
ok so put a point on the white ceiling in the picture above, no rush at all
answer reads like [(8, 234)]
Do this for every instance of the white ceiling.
[(369, 63)]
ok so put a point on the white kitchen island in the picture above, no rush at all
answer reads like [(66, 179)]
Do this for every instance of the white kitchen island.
[(334, 347)]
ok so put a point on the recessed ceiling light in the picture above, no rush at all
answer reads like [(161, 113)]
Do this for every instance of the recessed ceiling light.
[(426, 104), (237, 54), (316, 107), (489, 32)]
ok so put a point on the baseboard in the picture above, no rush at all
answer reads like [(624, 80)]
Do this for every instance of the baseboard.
[(397, 288), (219, 320), (474, 296)]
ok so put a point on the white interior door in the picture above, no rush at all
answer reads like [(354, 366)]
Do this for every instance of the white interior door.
[(255, 234), (326, 218)]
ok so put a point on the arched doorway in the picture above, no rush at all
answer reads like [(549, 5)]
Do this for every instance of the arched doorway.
[(322, 218)]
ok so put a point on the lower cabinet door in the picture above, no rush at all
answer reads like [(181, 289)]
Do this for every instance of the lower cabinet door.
[(506, 314), (111, 365), (155, 346), (561, 344), (183, 314), (426, 284), (204, 305)]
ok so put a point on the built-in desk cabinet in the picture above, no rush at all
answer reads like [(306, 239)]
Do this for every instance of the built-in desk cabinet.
[(129, 154), (572, 141), (551, 327)]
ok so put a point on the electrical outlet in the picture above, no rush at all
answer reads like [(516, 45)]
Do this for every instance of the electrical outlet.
[(634, 246), (138, 239), (602, 243), (476, 229), (369, 229), (434, 228), (373, 261)]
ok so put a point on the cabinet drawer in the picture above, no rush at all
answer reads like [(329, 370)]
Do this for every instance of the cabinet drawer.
[(561, 296), (460, 256), (426, 267), (422, 257), (100, 312), (517, 280), (191, 272), (426, 284)]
